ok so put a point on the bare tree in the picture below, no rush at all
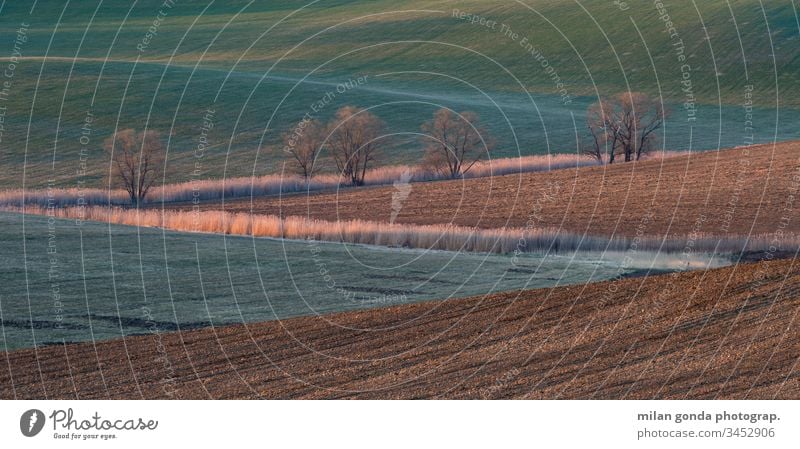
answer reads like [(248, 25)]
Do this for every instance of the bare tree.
[(605, 143), (626, 125), (304, 145), (353, 141), (135, 160), (456, 142)]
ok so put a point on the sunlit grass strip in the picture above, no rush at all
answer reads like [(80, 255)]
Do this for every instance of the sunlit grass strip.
[(438, 237), (216, 189)]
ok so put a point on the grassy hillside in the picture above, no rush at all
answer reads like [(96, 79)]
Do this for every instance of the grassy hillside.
[(597, 32), (416, 55)]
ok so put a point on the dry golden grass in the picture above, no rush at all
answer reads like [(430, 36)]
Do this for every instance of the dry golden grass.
[(216, 189), (436, 236), (740, 192), (724, 202)]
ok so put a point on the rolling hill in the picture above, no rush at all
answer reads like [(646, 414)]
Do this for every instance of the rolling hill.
[(259, 66), (66, 282), (737, 192), (723, 334)]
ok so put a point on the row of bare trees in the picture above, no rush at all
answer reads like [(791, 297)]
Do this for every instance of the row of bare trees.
[(624, 125), (352, 139), (454, 143)]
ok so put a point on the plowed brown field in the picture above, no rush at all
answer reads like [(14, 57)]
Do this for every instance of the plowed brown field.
[(740, 191), (725, 333)]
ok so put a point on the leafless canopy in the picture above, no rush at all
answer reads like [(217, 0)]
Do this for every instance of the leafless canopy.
[(455, 142), (135, 161), (304, 145), (624, 125), (353, 141)]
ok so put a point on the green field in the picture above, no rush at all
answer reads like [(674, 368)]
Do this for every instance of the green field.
[(261, 65), (63, 282)]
